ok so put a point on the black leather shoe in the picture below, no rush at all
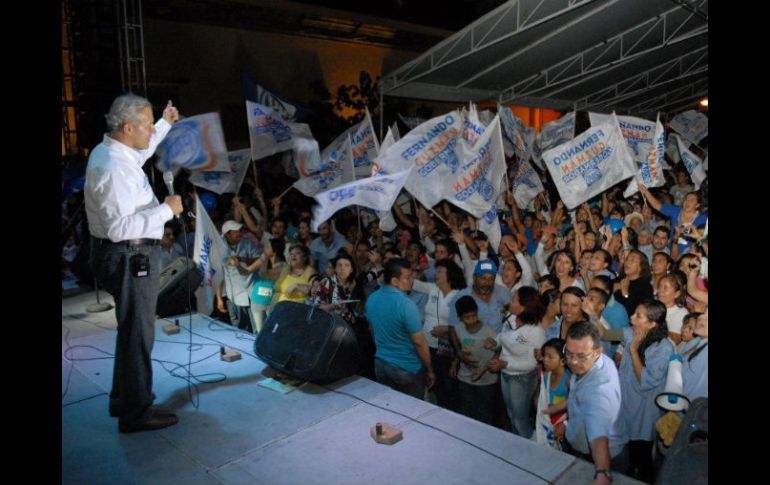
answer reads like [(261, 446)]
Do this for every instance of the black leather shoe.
[(114, 407), (156, 421)]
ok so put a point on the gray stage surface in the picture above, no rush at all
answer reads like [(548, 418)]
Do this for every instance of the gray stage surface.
[(235, 431)]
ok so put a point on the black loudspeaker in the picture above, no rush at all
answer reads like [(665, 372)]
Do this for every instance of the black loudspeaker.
[(172, 297), (308, 343), (687, 458)]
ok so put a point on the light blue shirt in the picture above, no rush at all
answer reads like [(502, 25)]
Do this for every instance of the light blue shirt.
[(490, 314), (321, 253), (616, 315), (594, 408), (394, 318), (638, 405), (695, 372), (237, 285)]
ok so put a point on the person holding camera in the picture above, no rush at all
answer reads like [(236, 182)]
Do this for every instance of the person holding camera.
[(684, 219), (126, 223)]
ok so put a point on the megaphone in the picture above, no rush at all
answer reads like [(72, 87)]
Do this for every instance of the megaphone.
[(672, 399)]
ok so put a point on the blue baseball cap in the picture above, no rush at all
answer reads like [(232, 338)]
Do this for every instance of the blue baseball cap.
[(485, 266)]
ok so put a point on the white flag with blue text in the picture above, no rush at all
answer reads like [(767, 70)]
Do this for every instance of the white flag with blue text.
[(594, 161), (526, 185), (472, 126), (209, 254), (364, 145), (651, 171), (481, 178), (194, 143), (336, 169), (222, 182), (430, 149), (693, 163), (638, 133), (378, 193), (269, 133), (520, 136), (692, 125), (553, 134)]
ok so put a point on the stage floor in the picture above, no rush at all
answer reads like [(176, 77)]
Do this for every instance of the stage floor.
[(233, 431)]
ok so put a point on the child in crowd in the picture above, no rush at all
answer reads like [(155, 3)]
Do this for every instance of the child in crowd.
[(478, 388), (554, 388), (688, 327)]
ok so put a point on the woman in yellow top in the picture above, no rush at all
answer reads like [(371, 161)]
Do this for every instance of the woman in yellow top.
[(293, 284)]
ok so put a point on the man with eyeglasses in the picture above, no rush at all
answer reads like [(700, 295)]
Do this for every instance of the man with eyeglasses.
[(595, 431)]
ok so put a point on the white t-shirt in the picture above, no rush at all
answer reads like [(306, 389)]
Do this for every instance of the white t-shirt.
[(674, 317)]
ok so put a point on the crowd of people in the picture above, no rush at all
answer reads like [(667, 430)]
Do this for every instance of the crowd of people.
[(561, 333)]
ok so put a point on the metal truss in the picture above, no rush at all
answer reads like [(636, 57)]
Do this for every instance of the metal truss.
[(131, 46), (693, 63), (504, 22), (674, 98), (607, 54)]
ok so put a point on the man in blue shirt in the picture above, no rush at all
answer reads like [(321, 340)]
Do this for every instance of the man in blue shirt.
[(402, 360), (326, 246), (596, 430)]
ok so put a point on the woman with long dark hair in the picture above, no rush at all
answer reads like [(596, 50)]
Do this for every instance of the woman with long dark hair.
[(449, 280), (642, 373), (516, 362)]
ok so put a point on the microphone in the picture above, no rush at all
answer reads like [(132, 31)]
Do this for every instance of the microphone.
[(168, 177)]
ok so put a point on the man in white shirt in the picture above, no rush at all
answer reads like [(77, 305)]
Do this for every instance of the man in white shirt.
[(126, 223)]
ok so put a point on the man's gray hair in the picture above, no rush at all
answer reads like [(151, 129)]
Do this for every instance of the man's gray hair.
[(124, 110)]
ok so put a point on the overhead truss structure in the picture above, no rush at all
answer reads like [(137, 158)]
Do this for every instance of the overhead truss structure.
[(602, 55)]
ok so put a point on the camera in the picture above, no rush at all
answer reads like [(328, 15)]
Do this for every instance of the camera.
[(686, 230)]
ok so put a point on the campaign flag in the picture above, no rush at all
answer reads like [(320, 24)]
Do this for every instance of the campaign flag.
[(520, 136), (194, 143), (526, 185), (387, 221), (335, 170), (553, 134), (305, 155), (594, 161), (486, 117), (364, 145), (411, 122), (378, 193), (489, 224), (387, 142), (209, 254), (692, 125), (481, 176), (638, 132), (269, 133), (430, 149), (256, 93), (672, 149), (693, 163), (472, 126), (651, 170), (221, 182)]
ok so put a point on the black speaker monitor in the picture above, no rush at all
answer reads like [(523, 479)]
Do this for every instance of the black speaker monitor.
[(173, 296), (308, 343)]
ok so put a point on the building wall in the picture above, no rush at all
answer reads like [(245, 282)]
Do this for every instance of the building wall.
[(199, 66)]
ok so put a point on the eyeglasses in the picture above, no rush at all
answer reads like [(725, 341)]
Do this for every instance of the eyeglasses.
[(579, 357)]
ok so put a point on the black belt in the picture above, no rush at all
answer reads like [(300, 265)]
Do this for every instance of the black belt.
[(130, 242)]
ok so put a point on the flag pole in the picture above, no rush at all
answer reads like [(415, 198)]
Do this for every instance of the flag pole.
[(285, 191)]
